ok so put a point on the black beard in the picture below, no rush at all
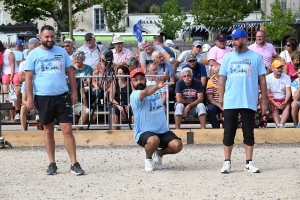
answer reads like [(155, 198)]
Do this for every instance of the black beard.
[(48, 46), (237, 49), (140, 86)]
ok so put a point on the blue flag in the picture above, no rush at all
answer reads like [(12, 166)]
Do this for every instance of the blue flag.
[(137, 31)]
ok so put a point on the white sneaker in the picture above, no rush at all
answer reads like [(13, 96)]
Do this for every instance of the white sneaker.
[(157, 160), (6, 118), (17, 118), (148, 165), (226, 167), (37, 118), (251, 168)]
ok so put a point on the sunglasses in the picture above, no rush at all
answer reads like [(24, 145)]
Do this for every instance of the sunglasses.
[(192, 61), (288, 45), (66, 45)]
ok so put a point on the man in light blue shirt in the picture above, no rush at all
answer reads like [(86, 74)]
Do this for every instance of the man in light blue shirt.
[(45, 71), (18, 51), (151, 130), (240, 72)]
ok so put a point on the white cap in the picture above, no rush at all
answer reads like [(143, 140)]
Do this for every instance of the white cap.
[(206, 47), (169, 42)]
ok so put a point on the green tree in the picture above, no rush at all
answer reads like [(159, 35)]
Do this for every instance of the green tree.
[(280, 20), (26, 10), (145, 7), (216, 14), (172, 17), (114, 11)]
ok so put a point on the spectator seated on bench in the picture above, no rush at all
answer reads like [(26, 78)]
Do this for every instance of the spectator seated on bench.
[(120, 96), (279, 85), (213, 107), (189, 96), (296, 100)]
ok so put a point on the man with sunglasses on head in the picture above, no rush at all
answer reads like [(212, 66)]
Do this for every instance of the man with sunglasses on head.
[(216, 54), (91, 50), (266, 50), (45, 70), (68, 46)]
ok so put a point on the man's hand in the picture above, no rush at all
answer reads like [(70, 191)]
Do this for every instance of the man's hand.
[(161, 80), (30, 103), (74, 98), (11, 78), (185, 111), (264, 108)]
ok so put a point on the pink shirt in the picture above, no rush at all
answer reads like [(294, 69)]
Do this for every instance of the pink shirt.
[(291, 70), (217, 53), (267, 52), (123, 56)]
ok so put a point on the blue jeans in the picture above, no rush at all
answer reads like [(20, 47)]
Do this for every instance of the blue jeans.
[(212, 112)]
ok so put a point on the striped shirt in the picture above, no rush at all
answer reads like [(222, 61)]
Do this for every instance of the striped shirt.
[(213, 91)]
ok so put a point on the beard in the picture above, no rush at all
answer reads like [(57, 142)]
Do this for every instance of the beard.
[(237, 49), (45, 44), (140, 86)]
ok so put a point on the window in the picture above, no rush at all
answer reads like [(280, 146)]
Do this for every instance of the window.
[(99, 22), (282, 4)]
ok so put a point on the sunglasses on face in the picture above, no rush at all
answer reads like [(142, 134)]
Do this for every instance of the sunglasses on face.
[(288, 45), (67, 45), (88, 40)]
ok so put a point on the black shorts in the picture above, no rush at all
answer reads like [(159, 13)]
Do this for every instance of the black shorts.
[(54, 107), (164, 138)]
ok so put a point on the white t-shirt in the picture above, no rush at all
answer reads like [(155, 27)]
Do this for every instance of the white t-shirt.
[(286, 56), (6, 68), (182, 59), (278, 86), (21, 67)]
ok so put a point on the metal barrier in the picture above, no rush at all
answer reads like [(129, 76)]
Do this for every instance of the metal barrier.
[(106, 121)]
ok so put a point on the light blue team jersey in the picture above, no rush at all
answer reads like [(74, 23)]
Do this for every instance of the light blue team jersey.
[(48, 66), (149, 114), (18, 55), (242, 71)]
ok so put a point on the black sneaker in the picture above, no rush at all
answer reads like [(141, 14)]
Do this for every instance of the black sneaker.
[(76, 169), (52, 168)]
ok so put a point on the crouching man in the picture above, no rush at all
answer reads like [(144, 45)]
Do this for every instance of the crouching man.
[(151, 130)]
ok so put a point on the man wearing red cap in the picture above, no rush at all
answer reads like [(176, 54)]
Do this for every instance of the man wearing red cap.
[(151, 130)]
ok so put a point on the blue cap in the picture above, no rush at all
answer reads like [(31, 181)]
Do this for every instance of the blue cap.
[(237, 33), (19, 42)]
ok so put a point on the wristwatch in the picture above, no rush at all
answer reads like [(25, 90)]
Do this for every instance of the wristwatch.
[(264, 101)]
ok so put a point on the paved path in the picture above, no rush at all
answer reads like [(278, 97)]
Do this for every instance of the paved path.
[(117, 173)]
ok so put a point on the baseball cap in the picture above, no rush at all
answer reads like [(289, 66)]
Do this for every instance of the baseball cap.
[(19, 42), (237, 33), (89, 36), (136, 71), (197, 43), (221, 37), (277, 63), (206, 47), (68, 40), (191, 57), (170, 42), (33, 41)]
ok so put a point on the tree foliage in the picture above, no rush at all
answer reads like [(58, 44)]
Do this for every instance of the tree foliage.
[(217, 14), (114, 11), (172, 18), (145, 7), (26, 10), (280, 20)]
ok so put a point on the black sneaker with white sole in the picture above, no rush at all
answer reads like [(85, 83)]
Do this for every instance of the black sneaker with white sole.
[(76, 169), (52, 168)]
